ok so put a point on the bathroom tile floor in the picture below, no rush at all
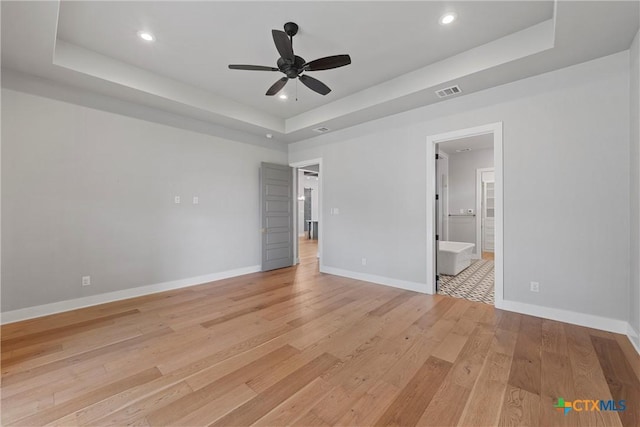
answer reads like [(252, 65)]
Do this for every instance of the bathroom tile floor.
[(475, 283)]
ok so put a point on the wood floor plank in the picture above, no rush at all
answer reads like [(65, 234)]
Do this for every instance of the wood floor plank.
[(520, 408), (299, 321), (633, 357), (32, 353), (484, 404), (297, 405), (130, 414), (525, 368), (10, 379), (266, 401), (620, 377), (252, 309), (390, 305), (371, 406), (589, 380), (408, 406), (56, 333), (58, 411), (553, 337), (557, 382), (192, 401), (459, 382), (215, 408)]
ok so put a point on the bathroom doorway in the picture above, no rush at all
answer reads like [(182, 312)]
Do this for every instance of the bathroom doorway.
[(464, 228), (308, 212)]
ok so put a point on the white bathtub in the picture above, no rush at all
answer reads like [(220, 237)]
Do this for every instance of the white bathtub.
[(453, 257)]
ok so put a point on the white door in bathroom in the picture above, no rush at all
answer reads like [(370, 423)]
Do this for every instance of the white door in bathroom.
[(488, 211)]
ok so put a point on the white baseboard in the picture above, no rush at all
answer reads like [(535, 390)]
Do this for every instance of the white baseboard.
[(573, 317), (634, 337), (73, 304), (381, 280)]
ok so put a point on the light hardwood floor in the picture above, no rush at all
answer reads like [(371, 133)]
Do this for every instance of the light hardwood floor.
[(294, 346)]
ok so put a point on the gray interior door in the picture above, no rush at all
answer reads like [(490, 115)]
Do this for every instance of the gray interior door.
[(276, 210)]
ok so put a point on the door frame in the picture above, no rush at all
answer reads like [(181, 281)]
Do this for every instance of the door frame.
[(479, 181), (432, 140), (445, 206), (296, 166)]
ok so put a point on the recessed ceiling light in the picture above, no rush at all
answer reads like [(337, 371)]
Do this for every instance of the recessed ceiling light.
[(146, 36), (448, 18), (269, 136), (283, 96), (462, 150)]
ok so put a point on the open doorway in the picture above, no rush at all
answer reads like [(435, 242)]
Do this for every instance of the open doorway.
[(464, 203), (308, 212)]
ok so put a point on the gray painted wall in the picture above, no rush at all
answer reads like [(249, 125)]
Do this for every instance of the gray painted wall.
[(86, 192), (634, 189), (462, 191), (572, 123)]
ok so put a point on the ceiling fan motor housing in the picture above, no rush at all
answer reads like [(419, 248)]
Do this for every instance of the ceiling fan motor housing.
[(291, 70), (291, 28)]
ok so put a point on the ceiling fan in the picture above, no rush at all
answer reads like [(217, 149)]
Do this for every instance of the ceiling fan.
[(293, 66)]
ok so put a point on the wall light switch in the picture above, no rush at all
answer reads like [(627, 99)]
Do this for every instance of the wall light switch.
[(86, 280), (196, 200), (176, 200), (535, 287), (336, 211)]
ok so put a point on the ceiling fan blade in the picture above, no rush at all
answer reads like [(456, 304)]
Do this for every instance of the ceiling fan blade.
[(314, 84), (277, 86), (327, 63), (283, 44), (252, 67)]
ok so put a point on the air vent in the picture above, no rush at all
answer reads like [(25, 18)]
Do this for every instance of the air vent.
[(321, 129), (448, 91)]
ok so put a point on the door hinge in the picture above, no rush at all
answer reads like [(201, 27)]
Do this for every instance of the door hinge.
[(437, 237), (437, 197), (437, 156)]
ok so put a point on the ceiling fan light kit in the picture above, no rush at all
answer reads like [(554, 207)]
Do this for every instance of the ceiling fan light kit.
[(294, 66)]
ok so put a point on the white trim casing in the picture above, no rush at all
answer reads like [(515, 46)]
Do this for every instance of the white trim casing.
[(74, 304), (573, 317), (372, 278), (432, 140), (634, 337)]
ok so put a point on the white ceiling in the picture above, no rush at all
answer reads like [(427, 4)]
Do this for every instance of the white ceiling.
[(400, 54), (477, 142), (197, 40)]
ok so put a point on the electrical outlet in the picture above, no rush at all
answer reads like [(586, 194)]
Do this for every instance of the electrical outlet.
[(535, 287), (86, 280), (176, 200), (364, 261), (196, 200)]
